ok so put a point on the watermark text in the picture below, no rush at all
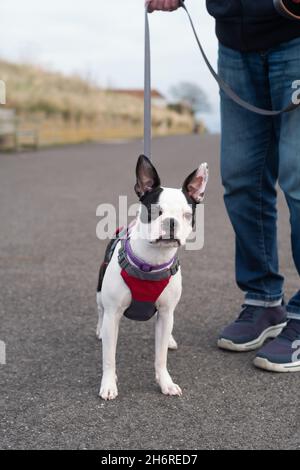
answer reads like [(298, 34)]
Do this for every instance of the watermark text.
[(296, 94), (152, 226)]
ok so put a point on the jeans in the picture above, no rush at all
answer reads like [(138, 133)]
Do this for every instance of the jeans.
[(256, 153)]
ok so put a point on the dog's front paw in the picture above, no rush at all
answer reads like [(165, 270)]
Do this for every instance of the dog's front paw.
[(108, 390), (167, 385), (171, 389)]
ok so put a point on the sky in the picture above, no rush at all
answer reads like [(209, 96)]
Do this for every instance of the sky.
[(102, 40)]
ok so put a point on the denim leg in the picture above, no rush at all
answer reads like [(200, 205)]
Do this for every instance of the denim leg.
[(284, 68), (249, 169)]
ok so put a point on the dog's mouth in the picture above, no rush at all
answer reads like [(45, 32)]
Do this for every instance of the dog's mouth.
[(171, 242)]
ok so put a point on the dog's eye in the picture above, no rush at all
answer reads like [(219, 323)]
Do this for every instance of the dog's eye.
[(159, 211)]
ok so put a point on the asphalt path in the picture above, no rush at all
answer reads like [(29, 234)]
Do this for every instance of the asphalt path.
[(49, 260)]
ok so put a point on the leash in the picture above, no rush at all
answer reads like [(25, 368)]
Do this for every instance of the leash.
[(147, 90), (222, 84)]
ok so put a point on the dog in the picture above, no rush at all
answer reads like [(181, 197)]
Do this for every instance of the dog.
[(141, 275)]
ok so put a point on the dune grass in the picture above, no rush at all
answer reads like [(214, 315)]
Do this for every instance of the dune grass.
[(68, 109)]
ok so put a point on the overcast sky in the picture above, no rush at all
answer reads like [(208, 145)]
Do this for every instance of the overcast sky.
[(103, 40)]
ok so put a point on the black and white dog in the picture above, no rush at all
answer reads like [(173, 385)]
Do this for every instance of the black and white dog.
[(141, 276)]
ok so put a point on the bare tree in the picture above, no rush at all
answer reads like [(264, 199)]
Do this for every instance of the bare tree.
[(192, 95)]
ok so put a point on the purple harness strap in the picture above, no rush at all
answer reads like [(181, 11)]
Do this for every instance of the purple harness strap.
[(142, 265)]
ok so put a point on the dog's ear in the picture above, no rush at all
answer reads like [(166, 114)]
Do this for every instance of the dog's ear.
[(147, 179), (195, 184)]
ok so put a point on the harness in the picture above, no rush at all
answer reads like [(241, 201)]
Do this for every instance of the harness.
[(145, 282)]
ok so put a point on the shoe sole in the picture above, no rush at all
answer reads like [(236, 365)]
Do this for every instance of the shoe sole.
[(264, 364), (271, 332)]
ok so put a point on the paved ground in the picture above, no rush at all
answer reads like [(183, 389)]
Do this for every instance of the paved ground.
[(49, 257)]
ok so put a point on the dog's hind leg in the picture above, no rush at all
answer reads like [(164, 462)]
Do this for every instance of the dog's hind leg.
[(172, 343), (100, 316)]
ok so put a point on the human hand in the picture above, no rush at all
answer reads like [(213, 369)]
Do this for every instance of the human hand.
[(163, 5)]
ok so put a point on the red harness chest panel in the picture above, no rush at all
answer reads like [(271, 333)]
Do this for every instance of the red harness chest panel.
[(143, 290), (144, 295)]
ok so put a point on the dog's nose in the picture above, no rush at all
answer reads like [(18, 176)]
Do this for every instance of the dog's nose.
[(169, 227)]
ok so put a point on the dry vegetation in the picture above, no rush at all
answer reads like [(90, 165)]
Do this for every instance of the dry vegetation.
[(69, 109)]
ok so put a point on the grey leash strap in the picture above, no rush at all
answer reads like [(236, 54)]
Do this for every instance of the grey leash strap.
[(147, 90), (226, 88)]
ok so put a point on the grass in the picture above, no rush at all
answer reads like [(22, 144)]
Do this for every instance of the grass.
[(68, 109)]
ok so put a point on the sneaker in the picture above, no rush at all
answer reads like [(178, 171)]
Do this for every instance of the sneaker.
[(282, 354), (253, 326)]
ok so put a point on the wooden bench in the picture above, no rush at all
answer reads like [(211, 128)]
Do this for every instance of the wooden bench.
[(11, 127)]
